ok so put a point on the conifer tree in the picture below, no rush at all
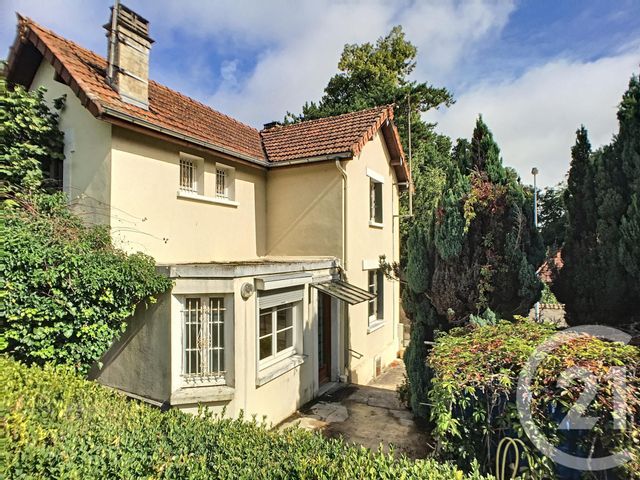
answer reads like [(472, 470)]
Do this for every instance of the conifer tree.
[(472, 253), (599, 282)]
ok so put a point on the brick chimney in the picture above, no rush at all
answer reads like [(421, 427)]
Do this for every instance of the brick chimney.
[(128, 55)]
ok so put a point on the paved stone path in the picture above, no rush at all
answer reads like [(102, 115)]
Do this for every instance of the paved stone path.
[(366, 415)]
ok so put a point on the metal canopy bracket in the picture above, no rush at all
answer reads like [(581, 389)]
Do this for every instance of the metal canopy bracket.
[(344, 291)]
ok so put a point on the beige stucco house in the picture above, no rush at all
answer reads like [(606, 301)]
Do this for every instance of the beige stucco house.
[(272, 237)]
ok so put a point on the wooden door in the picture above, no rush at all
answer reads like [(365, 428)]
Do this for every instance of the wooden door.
[(324, 338)]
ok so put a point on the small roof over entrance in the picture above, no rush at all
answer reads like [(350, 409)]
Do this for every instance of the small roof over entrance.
[(344, 291)]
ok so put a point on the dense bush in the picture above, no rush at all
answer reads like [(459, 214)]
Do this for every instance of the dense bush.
[(66, 291), (57, 425), (475, 375)]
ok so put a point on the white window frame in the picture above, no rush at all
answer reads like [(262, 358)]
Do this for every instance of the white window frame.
[(375, 283), (203, 316), (276, 356), (375, 181), (195, 179), (227, 193)]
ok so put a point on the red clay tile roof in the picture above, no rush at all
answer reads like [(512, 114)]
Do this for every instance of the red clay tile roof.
[(325, 136), (342, 134), (167, 108), (547, 272), (179, 116)]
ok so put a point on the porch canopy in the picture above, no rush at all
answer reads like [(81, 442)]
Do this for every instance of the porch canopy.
[(344, 291)]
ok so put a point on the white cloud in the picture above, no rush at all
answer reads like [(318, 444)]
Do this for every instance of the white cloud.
[(305, 41), (296, 44), (534, 117)]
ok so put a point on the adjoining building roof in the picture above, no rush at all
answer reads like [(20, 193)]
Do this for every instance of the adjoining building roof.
[(180, 117)]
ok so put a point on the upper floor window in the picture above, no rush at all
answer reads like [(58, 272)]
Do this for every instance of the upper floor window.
[(375, 198), (190, 173), (203, 345), (225, 182), (376, 305)]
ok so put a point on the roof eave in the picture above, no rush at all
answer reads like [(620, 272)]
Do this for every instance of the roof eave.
[(125, 120)]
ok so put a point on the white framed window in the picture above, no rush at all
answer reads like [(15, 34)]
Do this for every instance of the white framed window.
[(276, 332), (376, 305), (375, 202), (191, 174), (203, 339), (225, 182)]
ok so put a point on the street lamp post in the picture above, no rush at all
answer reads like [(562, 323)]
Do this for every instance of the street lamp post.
[(534, 172)]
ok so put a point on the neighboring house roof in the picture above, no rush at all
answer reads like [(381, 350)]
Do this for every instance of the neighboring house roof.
[(173, 114), (550, 268)]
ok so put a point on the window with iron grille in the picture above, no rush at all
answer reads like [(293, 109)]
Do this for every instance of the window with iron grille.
[(376, 287), (276, 332), (222, 188), (188, 175), (203, 338)]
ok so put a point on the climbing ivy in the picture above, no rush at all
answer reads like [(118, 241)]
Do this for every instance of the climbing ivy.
[(65, 290)]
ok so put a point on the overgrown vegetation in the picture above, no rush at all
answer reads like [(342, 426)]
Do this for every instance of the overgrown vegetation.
[(472, 248), (473, 393), (600, 280), (57, 425), (65, 290)]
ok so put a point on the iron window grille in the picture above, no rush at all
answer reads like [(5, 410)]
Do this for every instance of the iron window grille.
[(188, 181), (222, 178), (203, 339)]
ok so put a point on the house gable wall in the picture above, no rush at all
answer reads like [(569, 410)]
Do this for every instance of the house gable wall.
[(365, 244), (87, 165)]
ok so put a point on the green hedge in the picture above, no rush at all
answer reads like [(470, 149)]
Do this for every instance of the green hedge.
[(57, 425)]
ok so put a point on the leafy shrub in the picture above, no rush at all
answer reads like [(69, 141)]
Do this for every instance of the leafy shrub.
[(66, 292), (57, 425), (475, 375)]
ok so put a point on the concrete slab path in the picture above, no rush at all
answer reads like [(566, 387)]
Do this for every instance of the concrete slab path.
[(371, 416)]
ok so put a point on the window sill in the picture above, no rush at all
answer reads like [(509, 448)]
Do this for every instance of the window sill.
[(375, 224), (202, 198), (283, 366), (375, 325), (193, 395)]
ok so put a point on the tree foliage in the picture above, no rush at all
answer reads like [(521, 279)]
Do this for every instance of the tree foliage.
[(66, 292), (599, 282), (472, 248), (30, 140), (552, 216), (377, 74)]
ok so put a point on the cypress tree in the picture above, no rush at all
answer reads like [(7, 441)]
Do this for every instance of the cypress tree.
[(599, 281)]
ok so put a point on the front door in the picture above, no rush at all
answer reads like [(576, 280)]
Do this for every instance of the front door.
[(324, 338)]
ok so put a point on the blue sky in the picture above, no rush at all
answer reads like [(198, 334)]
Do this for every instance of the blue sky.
[(536, 70)]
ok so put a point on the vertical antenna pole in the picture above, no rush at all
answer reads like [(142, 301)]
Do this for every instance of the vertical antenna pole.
[(410, 170)]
